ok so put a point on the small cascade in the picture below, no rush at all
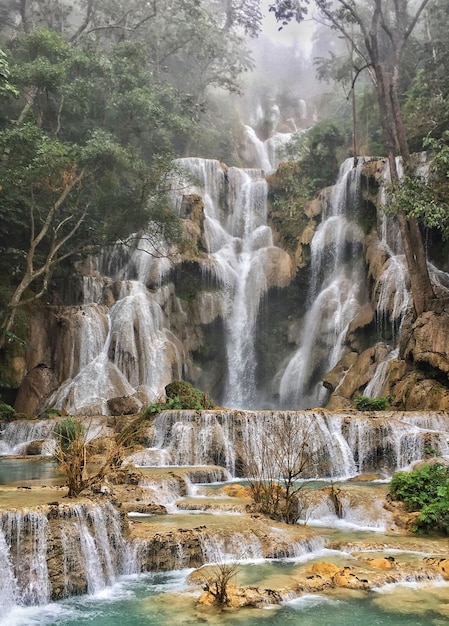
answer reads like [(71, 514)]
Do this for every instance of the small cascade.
[(234, 547), (103, 551), (24, 552), (242, 259), (269, 153), (15, 436), (335, 293), (338, 445), (369, 516), (165, 492), (91, 553), (375, 387)]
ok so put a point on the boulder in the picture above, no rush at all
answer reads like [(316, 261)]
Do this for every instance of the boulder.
[(34, 448), (429, 341), (35, 389), (415, 392), (124, 405), (324, 568), (443, 568)]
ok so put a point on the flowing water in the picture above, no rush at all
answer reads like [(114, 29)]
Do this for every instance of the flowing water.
[(341, 446), (98, 561), (335, 293), (241, 256), (164, 599)]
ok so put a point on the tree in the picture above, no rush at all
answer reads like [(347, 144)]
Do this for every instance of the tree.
[(380, 33), (275, 463), (67, 167), (215, 579), (74, 456), (6, 88), (426, 107)]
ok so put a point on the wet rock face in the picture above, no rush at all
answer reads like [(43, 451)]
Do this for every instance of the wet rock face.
[(38, 384), (416, 392), (429, 341)]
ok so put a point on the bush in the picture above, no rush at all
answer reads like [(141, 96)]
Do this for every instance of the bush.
[(67, 432), (7, 412), (425, 489), (180, 395), (172, 404), (364, 403), (49, 413), (189, 397)]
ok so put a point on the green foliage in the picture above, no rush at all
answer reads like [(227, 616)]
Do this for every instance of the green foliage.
[(425, 197), (180, 395), (296, 182), (435, 515), (6, 88), (171, 404), (287, 195), (316, 150), (364, 403), (67, 432), (7, 412), (420, 486), (49, 413), (425, 489), (189, 397)]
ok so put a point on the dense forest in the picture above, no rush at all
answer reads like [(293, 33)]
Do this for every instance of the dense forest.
[(99, 96)]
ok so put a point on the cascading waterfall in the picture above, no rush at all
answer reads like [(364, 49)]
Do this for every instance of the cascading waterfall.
[(335, 293), (127, 349), (338, 445), (24, 552), (235, 547), (241, 254), (15, 436), (92, 552)]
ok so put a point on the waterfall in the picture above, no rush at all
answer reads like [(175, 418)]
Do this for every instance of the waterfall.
[(337, 445), (24, 552), (127, 349), (15, 436), (92, 553), (335, 293), (269, 153), (242, 259), (392, 289), (234, 547), (375, 387)]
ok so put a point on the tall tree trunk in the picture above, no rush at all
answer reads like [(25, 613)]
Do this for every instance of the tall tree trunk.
[(391, 119)]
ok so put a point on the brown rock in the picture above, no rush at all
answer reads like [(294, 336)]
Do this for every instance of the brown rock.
[(36, 387), (124, 405), (34, 448), (430, 341), (414, 392), (324, 568), (443, 567)]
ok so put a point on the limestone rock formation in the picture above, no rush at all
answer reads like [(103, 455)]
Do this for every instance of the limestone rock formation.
[(36, 387), (124, 405)]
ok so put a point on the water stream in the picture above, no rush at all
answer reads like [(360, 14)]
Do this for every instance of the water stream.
[(104, 565), (335, 293)]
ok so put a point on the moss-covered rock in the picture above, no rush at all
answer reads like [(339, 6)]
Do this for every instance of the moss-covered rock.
[(189, 397)]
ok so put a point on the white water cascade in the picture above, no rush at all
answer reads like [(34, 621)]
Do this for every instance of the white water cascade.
[(15, 436), (242, 258), (339, 446), (127, 349), (335, 293), (91, 554)]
